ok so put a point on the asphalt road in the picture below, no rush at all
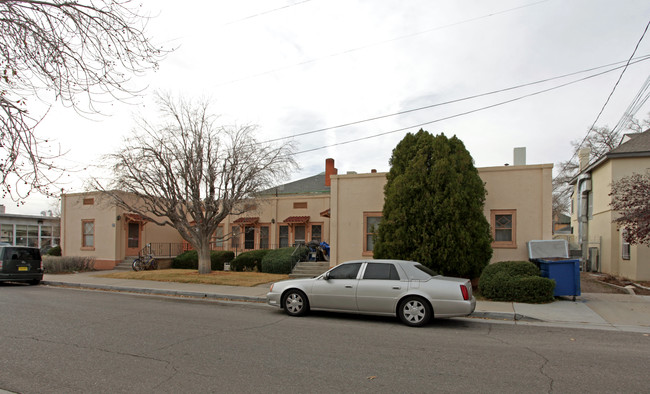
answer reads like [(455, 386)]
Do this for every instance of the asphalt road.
[(56, 340)]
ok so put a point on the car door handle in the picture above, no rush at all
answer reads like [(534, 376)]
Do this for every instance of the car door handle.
[(396, 287), (348, 286)]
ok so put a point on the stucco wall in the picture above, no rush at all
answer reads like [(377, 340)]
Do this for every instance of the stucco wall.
[(527, 189), (272, 211), (104, 215), (601, 231)]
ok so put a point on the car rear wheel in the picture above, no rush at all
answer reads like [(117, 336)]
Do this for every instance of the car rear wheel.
[(34, 282), (414, 311), (295, 303)]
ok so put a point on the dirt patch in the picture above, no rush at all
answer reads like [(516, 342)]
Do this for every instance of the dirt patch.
[(593, 282)]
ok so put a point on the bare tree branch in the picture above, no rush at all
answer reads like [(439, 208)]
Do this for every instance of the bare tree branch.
[(189, 173), (76, 52)]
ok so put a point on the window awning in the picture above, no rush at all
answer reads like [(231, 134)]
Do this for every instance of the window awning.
[(134, 217), (245, 221), (296, 219)]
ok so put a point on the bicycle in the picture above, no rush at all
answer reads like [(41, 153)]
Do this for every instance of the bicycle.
[(142, 263)]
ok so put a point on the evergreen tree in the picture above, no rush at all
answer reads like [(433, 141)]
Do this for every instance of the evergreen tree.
[(433, 207)]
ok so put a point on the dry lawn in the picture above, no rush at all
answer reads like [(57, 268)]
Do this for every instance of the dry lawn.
[(228, 278)]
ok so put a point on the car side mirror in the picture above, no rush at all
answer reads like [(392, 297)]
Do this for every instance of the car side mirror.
[(326, 276)]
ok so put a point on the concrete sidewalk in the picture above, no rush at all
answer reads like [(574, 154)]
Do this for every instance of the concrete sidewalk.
[(619, 312)]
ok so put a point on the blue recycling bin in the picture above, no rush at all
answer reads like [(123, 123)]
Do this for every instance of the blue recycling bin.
[(565, 272)]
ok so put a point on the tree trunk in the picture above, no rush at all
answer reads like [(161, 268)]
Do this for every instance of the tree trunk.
[(204, 259)]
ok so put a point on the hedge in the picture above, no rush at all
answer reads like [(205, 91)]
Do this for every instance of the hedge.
[(54, 251), (58, 264), (515, 281), (249, 261), (282, 261), (190, 259)]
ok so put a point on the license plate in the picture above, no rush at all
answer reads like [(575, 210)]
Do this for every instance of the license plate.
[(23, 268)]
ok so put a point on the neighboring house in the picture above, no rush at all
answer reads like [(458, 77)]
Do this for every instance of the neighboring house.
[(92, 226), (601, 241), (338, 209), (561, 224), (30, 230)]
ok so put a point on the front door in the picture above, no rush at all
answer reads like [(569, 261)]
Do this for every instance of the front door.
[(133, 239)]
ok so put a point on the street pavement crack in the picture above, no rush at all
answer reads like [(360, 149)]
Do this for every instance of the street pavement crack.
[(99, 349), (541, 368)]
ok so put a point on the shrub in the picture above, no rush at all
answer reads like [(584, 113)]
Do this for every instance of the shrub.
[(282, 261), (58, 264), (190, 259), (55, 251), (249, 261), (517, 281)]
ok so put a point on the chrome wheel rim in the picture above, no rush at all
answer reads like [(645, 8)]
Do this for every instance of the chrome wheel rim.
[(294, 303), (414, 311)]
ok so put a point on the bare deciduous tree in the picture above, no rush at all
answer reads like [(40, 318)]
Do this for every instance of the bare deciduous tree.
[(631, 199), (72, 51), (189, 173), (600, 140)]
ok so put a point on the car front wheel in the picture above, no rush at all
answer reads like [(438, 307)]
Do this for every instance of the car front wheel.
[(414, 311), (295, 303)]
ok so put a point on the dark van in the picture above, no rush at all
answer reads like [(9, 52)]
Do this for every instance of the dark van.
[(20, 263)]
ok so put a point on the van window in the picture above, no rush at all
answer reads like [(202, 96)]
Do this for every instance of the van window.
[(23, 254)]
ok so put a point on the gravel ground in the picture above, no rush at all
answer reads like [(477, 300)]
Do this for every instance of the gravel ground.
[(592, 282)]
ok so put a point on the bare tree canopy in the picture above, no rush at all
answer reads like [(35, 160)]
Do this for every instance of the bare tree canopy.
[(71, 51), (599, 141), (631, 199), (189, 173)]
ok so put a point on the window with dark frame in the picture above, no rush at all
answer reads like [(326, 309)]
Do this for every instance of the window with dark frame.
[(249, 237), (283, 232), (264, 237), (316, 231)]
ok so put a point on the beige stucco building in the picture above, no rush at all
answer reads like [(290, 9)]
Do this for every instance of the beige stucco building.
[(592, 217), (518, 203), (337, 209)]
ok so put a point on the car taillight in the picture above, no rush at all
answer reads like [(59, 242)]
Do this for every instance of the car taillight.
[(271, 289), (463, 289)]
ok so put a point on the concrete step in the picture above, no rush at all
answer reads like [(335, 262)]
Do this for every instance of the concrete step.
[(125, 265), (309, 269)]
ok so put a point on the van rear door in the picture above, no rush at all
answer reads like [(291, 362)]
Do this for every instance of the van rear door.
[(17, 260)]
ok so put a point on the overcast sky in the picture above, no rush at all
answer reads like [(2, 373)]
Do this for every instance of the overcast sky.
[(293, 67)]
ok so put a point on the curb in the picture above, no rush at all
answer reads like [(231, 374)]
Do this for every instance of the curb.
[(505, 316), (502, 316), (176, 293)]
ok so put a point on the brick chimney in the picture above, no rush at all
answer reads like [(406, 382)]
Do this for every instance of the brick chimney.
[(329, 171)]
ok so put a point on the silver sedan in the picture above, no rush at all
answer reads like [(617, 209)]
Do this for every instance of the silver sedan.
[(405, 289)]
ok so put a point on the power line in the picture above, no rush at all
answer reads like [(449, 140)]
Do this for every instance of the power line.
[(464, 113), (606, 102), (639, 59), (266, 12), (347, 51)]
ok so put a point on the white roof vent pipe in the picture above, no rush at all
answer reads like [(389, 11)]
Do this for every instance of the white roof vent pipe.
[(520, 156)]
